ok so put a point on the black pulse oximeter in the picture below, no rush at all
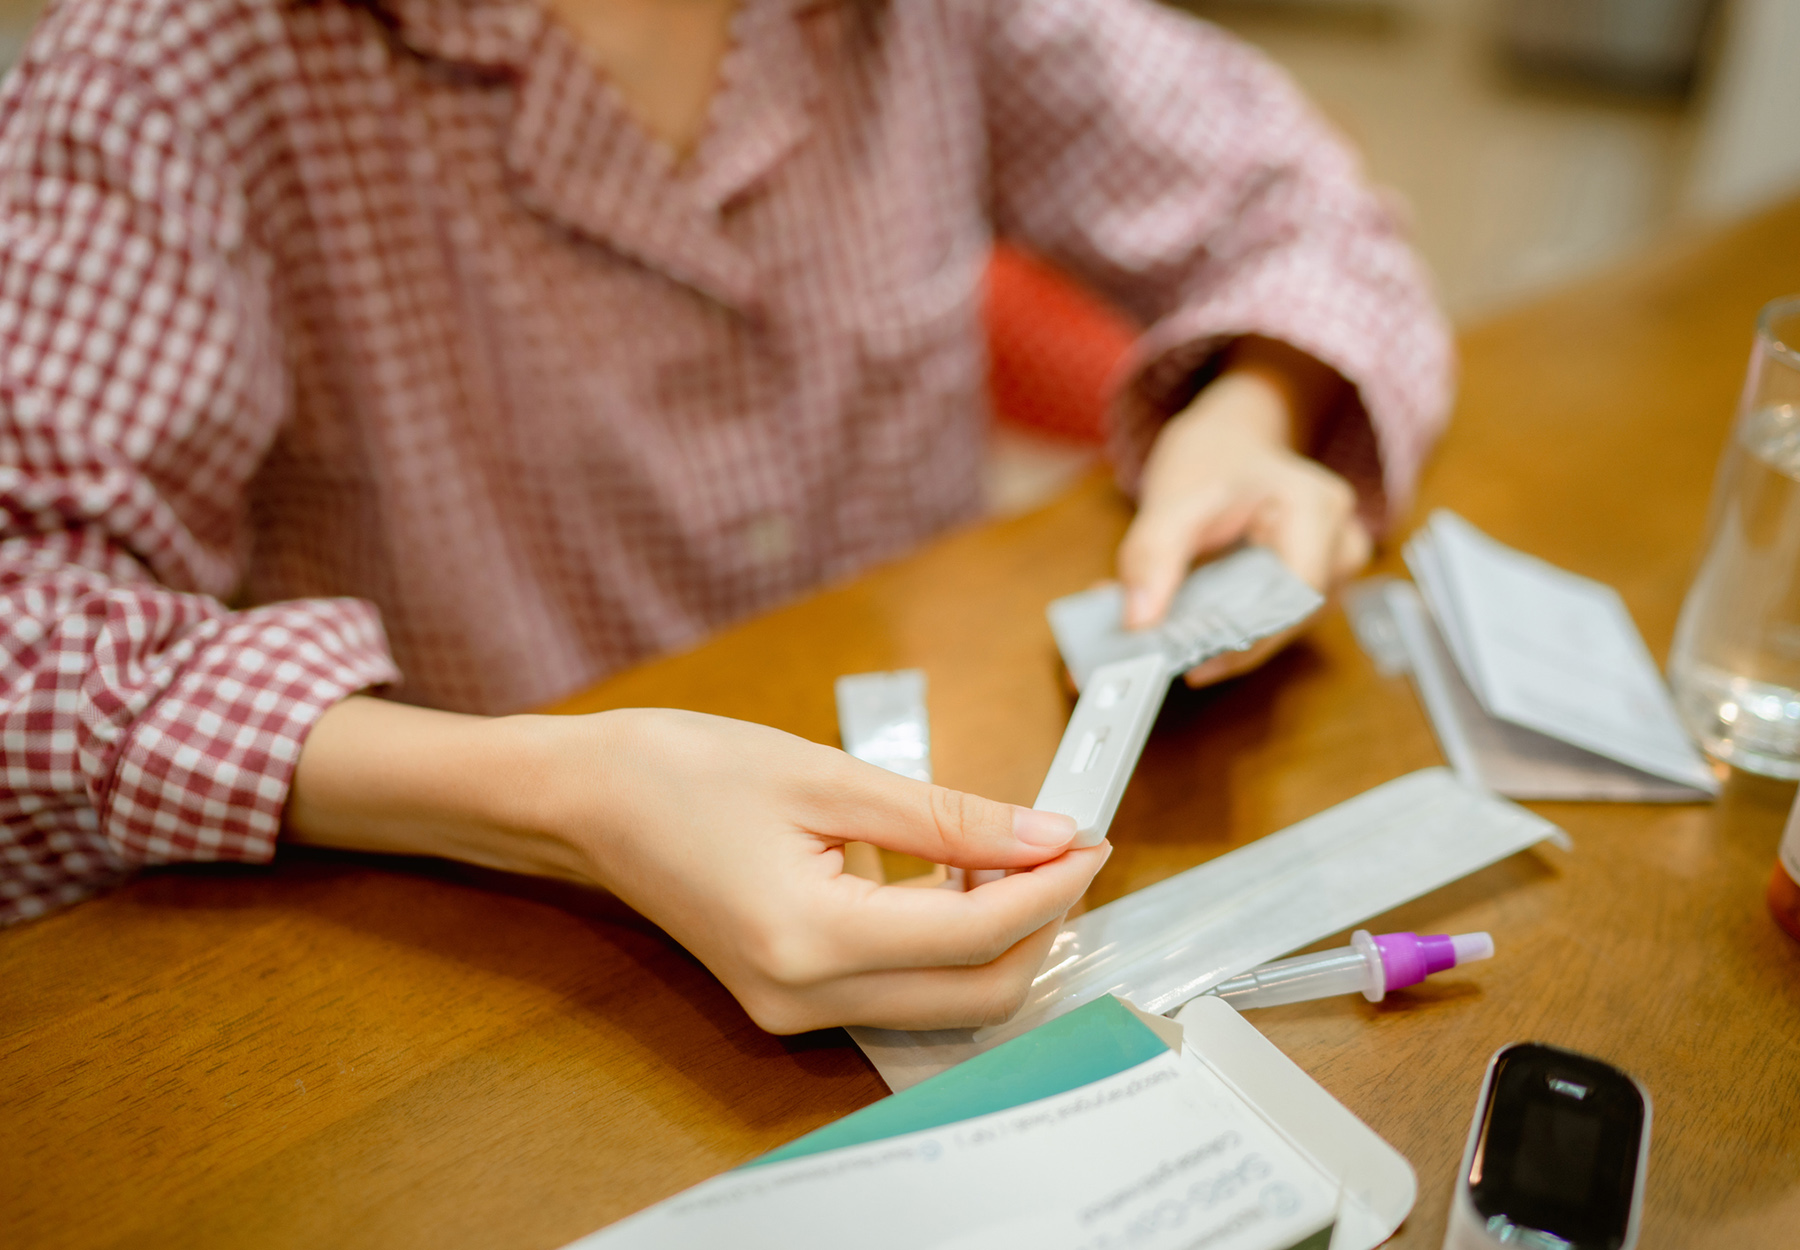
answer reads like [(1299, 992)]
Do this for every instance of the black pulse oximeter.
[(1556, 1156)]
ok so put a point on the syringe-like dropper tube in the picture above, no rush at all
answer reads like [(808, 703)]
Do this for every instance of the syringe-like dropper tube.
[(1370, 966)]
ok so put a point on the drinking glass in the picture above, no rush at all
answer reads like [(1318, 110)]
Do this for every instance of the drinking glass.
[(1735, 665)]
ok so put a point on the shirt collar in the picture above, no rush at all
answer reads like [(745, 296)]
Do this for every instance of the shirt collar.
[(492, 35), (576, 157), (495, 34)]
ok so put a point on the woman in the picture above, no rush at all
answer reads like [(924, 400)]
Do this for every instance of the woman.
[(501, 345)]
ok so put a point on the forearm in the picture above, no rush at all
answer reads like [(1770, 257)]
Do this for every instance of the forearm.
[(385, 777)]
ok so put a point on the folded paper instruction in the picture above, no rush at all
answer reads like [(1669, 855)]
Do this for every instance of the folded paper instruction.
[(1536, 680)]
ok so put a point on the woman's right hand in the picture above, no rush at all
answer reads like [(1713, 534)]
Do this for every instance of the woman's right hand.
[(730, 836)]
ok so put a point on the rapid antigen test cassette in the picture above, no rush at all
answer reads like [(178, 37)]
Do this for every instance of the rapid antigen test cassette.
[(1124, 675), (1100, 748)]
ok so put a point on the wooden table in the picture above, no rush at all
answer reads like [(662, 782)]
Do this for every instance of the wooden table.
[(338, 1053)]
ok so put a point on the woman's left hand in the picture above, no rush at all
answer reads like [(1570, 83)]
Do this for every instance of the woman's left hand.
[(1225, 469)]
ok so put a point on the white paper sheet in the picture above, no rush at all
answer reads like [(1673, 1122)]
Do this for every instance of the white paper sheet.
[(1553, 653), (1167, 943), (1161, 1156)]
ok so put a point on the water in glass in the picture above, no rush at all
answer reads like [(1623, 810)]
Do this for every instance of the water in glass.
[(1735, 666)]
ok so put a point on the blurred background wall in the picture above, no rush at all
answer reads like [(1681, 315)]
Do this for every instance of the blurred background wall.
[(1534, 142), (1537, 140)]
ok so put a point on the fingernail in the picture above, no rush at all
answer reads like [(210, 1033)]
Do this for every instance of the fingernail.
[(1035, 828)]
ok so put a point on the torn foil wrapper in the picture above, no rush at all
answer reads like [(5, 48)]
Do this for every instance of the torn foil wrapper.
[(1229, 604)]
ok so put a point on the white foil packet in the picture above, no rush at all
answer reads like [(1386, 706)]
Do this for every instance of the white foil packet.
[(1168, 943), (882, 720), (1229, 604)]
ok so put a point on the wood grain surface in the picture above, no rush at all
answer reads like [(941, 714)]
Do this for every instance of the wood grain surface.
[(339, 1052)]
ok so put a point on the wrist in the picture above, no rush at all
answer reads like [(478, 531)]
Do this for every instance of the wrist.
[(542, 801), (1302, 388), (392, 779), (1240, 406)]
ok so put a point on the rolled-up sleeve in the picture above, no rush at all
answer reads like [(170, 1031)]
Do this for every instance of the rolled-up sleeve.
[(141, 383), (1184, 176)]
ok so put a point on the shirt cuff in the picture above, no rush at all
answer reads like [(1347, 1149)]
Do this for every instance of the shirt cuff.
[(203, 772), (1395, 351)]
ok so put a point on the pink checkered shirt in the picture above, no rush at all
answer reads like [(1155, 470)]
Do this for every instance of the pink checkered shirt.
[(385, 325)]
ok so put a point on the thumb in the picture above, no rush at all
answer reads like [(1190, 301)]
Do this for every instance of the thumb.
[(939, 824), (1354, 548), (1161, 544)]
